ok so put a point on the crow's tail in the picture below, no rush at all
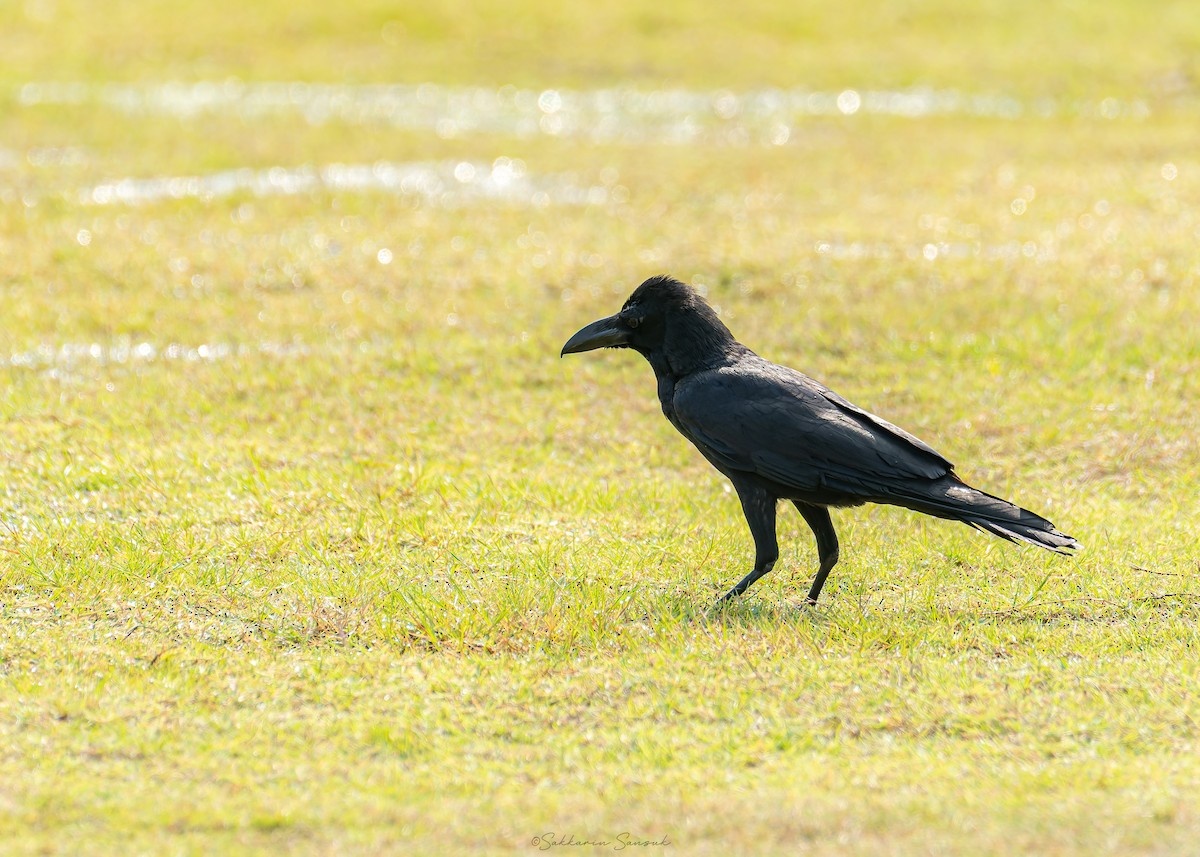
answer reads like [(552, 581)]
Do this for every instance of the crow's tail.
[(951, 498)]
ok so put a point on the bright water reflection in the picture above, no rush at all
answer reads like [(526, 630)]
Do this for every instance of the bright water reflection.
[(446, 183), (69, 355), (618, 114)]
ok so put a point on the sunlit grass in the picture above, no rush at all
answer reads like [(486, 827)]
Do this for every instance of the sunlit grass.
[(306, 552)]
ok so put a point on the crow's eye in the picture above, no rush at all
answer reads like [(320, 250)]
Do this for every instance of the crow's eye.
[(633, 321)]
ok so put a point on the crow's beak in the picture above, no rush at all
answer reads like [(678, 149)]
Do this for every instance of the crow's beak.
[(605, 333)]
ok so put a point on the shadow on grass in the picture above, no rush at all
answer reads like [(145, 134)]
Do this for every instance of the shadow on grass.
[(749, 611)]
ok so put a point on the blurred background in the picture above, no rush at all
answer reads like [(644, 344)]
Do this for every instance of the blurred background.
[(871, 190)]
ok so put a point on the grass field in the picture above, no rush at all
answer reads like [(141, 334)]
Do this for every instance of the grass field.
[(310, 543)]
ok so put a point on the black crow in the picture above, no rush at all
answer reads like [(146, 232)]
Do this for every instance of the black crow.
[(780, 435)]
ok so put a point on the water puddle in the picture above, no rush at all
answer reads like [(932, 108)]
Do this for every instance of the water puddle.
[(447, 183), (618, 115), (75, 355), (1009, 251)]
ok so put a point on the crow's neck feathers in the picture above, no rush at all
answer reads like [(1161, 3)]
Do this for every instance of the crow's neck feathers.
[(697, 339), (694, 337)]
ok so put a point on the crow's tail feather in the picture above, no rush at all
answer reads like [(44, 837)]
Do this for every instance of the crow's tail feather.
[(951, 498)]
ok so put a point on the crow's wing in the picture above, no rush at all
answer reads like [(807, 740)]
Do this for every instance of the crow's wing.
[(755, 416)]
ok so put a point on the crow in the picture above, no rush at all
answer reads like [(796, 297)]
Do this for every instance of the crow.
[(779, 435)]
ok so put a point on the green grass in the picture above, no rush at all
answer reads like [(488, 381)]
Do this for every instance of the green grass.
[(376, 572)]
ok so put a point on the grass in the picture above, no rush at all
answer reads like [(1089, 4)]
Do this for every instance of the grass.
[(301, 552)]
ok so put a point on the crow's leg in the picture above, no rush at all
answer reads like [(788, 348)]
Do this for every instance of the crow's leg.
[(827, 544), (759, 508)]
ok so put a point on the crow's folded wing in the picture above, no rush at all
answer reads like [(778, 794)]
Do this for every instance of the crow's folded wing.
[(755, 416)]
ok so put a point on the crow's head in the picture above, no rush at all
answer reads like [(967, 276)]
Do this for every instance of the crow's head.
[(663, 317)]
